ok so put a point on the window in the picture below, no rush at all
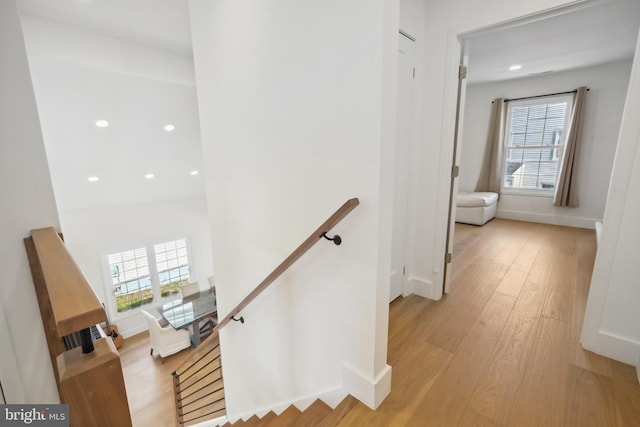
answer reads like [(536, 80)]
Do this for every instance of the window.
[(131, 278), (534, 142), (136, 280), (173, 266)]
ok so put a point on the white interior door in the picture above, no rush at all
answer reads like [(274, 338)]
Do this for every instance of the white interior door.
[(406, 75), (455, 165)]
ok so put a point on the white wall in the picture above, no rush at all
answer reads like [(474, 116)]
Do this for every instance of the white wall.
[(444, 21), (27, 203), (91, 235), (603, 113), (612, 316), (296, 108)]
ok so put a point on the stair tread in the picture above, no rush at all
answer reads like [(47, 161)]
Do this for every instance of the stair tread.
[(314, 414), (250, 422), (266, 419), (340, 411), (286, 418)]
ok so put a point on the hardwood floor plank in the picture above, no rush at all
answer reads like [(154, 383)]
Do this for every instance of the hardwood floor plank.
[(474, 300), (627, 394), (590, 400), (448, 396), (513, 281), (562, 283), (148, 382), (579, 356), (495, 395), (541, 399), (412, 379), (471, 418)]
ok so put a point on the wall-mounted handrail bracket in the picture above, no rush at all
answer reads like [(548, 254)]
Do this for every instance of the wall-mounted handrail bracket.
[(335, 239), (241, 319)]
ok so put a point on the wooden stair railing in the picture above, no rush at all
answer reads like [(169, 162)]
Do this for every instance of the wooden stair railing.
[(192, 408), (89, 378)]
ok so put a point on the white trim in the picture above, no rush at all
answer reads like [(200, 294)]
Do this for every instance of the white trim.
[(547, 219), (371, 392), (424, 288), (615, 347), (598, 226), (616, 204)]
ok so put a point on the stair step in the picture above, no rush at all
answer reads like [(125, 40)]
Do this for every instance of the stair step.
[(287, 418), (251, 422), (340, 411), (314, 414), (270, 416)]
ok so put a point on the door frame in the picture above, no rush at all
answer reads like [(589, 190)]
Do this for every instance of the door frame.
[(400, 228), (454, 102)]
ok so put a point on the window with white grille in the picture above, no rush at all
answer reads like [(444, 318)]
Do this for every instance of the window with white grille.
[(131, 278), (148, 274), (534, 142), (172, 263)]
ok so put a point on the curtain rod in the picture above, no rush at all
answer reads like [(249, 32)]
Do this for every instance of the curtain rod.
[(542, 96)]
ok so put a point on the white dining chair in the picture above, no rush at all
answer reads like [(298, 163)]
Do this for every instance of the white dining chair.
[(166, 340), (188, 289)]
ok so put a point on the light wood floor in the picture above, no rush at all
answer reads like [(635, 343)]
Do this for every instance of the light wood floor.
[(502, 349)]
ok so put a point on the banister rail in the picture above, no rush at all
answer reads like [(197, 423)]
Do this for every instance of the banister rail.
[(288, 262), (196, 356)]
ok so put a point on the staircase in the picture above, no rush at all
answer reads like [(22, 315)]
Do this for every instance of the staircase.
[(318, 414), (198, 384)]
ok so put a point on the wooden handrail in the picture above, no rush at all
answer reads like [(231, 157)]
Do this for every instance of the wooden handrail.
[(331, 222), (74, 304), (89, 378)]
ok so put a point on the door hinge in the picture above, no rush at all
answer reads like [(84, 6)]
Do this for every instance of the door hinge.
[(447, 258), (462, 72), (414, 72), (455, 171), (404, 270)]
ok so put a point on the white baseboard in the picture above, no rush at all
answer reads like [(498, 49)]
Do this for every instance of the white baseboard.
[(598, 226), (547, 219), (424, 288), (615, 347), (369, 391)]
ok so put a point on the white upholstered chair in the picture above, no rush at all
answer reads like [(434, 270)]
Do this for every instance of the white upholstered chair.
[(166, 341)]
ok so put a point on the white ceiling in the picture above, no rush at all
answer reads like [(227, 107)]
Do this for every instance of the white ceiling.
[(160, 23), (73, 92), (584, 37), (127, 62)]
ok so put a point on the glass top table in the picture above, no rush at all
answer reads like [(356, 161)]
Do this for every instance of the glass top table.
[(190, 310)]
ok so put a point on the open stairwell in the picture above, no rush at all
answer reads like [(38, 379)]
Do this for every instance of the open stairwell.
[(317, 414), (198, 383)]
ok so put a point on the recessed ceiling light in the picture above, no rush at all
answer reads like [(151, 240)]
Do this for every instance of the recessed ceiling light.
[(194, 172), (149, 176), (515, 67), (169, 128), (102, 123), (93, 178)]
